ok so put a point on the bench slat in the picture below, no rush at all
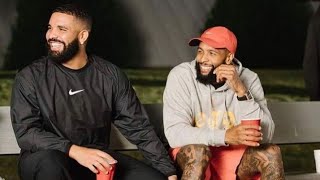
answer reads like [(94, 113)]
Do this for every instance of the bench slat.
[(296, 122), (8, 143), (308, 176)]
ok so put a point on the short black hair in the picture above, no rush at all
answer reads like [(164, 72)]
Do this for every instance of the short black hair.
[(77, 11)]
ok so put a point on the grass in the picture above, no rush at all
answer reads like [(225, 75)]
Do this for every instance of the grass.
[(279, 85)]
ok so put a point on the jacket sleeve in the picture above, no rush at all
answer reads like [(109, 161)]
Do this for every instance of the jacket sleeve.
[(132, 121), (27, 121), (178, 117), (257, 107)]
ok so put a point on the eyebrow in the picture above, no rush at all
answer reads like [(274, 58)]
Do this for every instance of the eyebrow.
[(62, 27), (216, 50)]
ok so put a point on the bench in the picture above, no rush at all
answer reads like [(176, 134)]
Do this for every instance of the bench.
[(296, 123)]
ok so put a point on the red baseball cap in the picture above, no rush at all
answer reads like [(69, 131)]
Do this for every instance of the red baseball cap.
[(217, 37)]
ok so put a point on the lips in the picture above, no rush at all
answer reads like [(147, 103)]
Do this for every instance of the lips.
[(55, 45), (205, 68)]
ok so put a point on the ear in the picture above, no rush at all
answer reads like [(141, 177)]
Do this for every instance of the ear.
[(229, 58), (83, 36)]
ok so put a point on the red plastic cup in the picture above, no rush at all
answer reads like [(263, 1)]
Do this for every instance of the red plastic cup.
[(253, 121), (109, 176)]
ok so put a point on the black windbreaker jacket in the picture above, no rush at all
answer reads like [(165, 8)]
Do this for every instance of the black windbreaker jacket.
[(53, 107)]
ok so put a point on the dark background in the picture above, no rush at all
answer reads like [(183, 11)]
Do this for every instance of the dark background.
[(271, 33)]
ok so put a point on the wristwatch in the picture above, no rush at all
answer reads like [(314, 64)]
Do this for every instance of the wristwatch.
[(246, 96)]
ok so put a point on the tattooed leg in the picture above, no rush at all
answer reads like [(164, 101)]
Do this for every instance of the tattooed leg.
[(265, 159), (193, 160)]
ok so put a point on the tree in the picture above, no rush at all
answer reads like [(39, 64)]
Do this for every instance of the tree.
[(271, 33)]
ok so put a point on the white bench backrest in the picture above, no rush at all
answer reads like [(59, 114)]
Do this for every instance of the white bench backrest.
[(296, 122), (8, 143)]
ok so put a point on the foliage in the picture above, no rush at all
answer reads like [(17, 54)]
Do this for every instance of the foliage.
[(279, 85), (5, 91), (271, 33)]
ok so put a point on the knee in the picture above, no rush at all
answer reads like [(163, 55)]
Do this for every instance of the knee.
[(195, 153), (273, 150), (271, 155)]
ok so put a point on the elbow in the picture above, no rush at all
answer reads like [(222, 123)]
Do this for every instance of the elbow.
[(173, 139)]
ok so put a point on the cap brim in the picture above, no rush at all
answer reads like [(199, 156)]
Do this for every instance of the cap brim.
[(194, 42), (197, 41)]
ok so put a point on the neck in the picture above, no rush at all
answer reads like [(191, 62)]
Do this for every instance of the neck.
[(78, 61)]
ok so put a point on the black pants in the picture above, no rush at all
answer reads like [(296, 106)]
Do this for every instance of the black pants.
[(55, 165)]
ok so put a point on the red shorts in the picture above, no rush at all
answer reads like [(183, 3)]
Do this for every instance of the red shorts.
[(224, 162)]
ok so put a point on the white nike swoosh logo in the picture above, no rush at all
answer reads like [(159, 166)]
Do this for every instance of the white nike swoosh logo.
[(74, 92)]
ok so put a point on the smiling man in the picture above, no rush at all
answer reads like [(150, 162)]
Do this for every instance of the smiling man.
[(63, 106), (204, 103)]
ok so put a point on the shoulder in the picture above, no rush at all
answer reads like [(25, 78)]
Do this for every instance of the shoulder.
[(108, 69), (185, 69), (34, 69), (248, 76), (104, 65)]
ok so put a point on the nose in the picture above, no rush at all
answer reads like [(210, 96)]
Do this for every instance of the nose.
[(203, 58), (51, 34)]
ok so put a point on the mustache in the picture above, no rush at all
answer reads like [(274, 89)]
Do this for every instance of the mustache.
[(201, 63)]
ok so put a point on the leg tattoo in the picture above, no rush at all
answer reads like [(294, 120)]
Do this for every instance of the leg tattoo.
[(265, 159), (193, 160)]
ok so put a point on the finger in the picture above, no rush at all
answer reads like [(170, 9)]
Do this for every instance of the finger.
[(107, 157), (251, 143), (226, 74), (246, 140), (258, 128), (253, 132), (227, 67), (220, 77), (104, 163), (93, 169), (253, 138), (100, 167)]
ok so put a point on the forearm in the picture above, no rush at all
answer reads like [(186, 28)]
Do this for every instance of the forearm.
[(34, 139), (252, 109), (151, 147), (181, 134)]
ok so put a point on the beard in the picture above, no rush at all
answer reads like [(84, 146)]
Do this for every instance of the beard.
[(68, 52), (210, 79)]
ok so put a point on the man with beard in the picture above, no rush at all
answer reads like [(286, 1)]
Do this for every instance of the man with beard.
[(204, 103), (63, 106)]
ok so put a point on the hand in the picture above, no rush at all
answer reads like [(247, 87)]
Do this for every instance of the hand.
[(173, 177), (249, 135), (93, 159), (228, 73)]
